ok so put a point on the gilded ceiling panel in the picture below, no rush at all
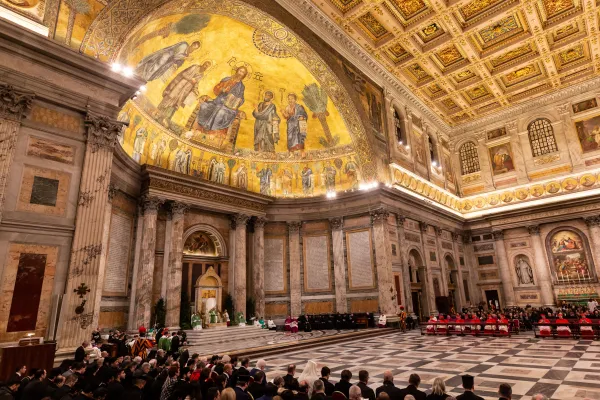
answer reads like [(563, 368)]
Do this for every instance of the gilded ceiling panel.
[(448, 56), (372, 26), (522, 75), (346, 5)]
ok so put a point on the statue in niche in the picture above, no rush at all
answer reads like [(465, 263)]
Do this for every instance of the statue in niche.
[(524, 271)]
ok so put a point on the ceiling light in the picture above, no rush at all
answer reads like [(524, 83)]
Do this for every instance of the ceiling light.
[(128, 72), (116, 67), (143, 88)]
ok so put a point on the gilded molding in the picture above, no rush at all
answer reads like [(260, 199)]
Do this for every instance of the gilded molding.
[(102, 132), (14, 104)]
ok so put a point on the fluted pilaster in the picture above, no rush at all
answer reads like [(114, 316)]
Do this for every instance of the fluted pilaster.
[(383, 261), (239, 285), (145, 280), (503, 266), (339, 266), (175, 264), (14, 105), (400, 219), (295, 288), (542, 270), (258, 266), (81, 303)]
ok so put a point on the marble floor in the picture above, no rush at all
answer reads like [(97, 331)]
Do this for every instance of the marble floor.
[(560, 369)]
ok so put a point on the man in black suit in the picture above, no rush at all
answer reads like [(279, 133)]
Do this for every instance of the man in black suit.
[(241, 387), (257, 388), (388, 387), (344, 384), (243, 370), (35, 389), (175, 344), (366, 392), (290, 382), (329, 387), (468, 383), (19, 373), (413, 383), (80, 352)]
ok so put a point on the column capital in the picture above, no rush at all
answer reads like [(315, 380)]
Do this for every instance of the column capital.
[(400, 220), (336, 223), (14, 103), (423, 226), (466, 237), (239, 220), (592, 221), (178, 208), (150, 204), (102, 131), (456, 236), (112, 191), (498, 235), (533, 229), (260, 222), (379, 215), (438, 230), (294, 226), (563, 108)]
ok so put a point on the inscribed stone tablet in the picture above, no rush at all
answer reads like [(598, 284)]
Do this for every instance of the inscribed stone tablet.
[(119, 250), (360, 259), (274, 265), (316, 262)]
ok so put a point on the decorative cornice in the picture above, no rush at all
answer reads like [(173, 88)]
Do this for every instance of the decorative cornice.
[(14, 104), (150, 204), (260, 222), (533, 229), (294, 226), (336, 223), (178, 208), (379, 215), (593, 220), (498, 235), (102, 132)]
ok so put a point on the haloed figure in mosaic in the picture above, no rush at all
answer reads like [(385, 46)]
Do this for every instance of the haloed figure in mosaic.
[(266, 127), (296, 117), (158, 64)]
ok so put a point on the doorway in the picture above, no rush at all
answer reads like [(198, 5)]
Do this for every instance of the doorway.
[(492, 298), (416, 300)]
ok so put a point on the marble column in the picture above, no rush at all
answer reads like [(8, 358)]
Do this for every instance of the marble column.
[(461, 287), (239, 286), (383, 262), (470, 263), (519, 159), (593, 224), (441, 260), (408, 304), (13, 106), (571, 137), (542, 270), (339, 265), (83, 292), (131, 319), (428, 279), (143, 300), (258, 266), (295, 288), (166, 255), (504, 267), (175, 264)]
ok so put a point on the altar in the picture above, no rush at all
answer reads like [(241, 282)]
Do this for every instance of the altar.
[(209, 295)]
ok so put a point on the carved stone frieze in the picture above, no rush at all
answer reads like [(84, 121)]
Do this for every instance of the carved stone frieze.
[(102, 132), (14, 104), (336, 223), (400, 220), (438, 230)]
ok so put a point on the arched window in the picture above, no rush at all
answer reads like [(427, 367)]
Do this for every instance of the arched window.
[(400, 136), (469, 158), (433, 152), (541, 137)]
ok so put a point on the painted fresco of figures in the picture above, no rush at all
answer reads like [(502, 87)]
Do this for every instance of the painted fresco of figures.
[(159, 63), (351, 171), (296, 117), (307, 180), (286, 181), (180, 91), (266, 127), (265, 180), (138, 144), (329, 172), (217, 170), (215, 116), (241, 176), (158, 148)]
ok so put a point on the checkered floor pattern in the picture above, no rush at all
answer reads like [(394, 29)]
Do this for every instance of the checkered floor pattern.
[(560, 369)]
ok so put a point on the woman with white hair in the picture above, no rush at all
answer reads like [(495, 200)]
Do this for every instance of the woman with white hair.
[(438, 390), (310, 374)]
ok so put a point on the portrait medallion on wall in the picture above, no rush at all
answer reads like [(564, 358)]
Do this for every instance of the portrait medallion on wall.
[(588, 131), (502, 159), (569, 253)]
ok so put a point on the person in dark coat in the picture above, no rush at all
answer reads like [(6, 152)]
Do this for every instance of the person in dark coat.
[(256, 388), (80, 352), (388, 387), (468, 383), (366, 392), (9, 392), (318, 392), (329, 386), (175, 344), (115, 386), (290, 382), (241, 388), (136, 391), (414, 381), (344, 384), (36, 389), (269, 393)]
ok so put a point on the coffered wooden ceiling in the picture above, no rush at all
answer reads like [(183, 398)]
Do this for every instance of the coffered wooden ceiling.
[(468, 58)]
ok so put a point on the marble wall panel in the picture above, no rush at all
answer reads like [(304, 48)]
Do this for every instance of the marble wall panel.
[(120, 245), (318, 307), (275, 265), (364, 305), (50, 150), (17, 265), (276, 310), (56, 119), (44, 191), (361, 273), (317, 263)]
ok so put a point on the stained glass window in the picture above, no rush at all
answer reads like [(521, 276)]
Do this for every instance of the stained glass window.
[(469, 159), (541, 137)]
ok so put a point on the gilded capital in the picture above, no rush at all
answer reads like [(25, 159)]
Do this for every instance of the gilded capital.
[(260, 222), (592, 221), (498, 235), (534, 229), (150, 204), (178, 208), (294, 226), (102, 132), (380, 215), (14, 103), (336, 223)]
